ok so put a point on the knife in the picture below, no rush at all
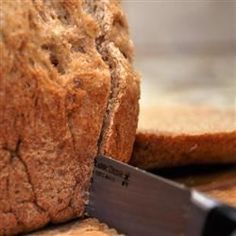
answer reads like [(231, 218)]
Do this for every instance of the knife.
[(139, 203)]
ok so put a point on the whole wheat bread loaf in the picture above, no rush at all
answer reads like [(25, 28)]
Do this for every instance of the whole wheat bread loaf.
[(67, 92), (183, 135)]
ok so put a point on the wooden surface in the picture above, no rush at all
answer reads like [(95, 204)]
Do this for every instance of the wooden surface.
[(221, 186), (217, 181)]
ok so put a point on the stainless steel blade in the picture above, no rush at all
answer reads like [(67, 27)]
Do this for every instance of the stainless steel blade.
[(136, 202)]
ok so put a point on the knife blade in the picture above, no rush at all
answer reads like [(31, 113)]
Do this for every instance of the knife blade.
[(136, 202)]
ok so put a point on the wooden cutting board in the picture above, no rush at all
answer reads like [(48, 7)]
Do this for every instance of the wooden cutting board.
[(216, 181)]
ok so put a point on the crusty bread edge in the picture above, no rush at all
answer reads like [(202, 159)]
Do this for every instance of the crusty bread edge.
[(153, 150)]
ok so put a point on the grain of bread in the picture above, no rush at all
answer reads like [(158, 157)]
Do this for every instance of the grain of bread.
[(183, 135), (67, 92)]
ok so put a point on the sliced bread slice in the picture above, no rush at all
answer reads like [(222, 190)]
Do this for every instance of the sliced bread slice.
[(175, 136)]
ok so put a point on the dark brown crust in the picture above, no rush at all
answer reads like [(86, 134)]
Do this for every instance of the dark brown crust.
[(54, 90), (153, 150)]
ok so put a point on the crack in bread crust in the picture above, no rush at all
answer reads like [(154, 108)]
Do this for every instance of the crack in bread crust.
[(18, 168), (120, 120), (16, 154)]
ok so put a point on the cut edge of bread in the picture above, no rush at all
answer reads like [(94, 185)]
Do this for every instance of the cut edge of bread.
[(120, 120), (185, 135)]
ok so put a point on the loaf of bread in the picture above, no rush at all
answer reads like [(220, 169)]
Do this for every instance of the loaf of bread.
[(67, 93), (175, 136)]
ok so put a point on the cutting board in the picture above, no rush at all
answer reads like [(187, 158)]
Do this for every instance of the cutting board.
[(218, 181)]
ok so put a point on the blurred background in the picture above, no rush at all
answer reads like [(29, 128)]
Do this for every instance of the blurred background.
[(185, 51)]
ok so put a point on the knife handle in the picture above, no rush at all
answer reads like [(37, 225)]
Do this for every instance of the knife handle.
[(220, 221)]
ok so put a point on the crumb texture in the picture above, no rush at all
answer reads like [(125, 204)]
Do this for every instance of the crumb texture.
[(179, 136), (58, 93)]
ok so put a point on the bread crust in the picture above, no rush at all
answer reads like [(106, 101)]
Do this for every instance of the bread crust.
[(153, 150), (183, 136), (54, 92)]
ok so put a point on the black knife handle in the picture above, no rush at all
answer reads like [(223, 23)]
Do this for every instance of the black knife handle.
[(220, 221)]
